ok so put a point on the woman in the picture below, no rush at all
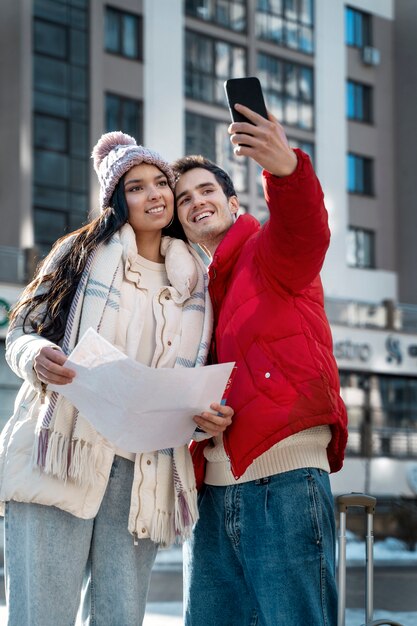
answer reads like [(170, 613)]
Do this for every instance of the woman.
[(73, 501)]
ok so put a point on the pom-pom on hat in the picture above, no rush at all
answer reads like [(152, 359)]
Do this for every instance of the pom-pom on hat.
[(116, 153)]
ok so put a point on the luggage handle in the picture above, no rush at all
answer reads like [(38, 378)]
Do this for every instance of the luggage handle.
[(356, 499), (369, 504)]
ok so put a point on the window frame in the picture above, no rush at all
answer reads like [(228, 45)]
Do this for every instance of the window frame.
[(191, 71), (285, 95), (271, 15), (212, 19), (230, 164), (123, 100), (361, 28), (366, 173), (139, 33), (362, 93), (358, 264)]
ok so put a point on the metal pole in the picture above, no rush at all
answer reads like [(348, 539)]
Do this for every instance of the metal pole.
[(369, 569), (342, 571)]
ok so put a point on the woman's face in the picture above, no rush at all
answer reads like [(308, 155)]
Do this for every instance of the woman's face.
[(149, 198)]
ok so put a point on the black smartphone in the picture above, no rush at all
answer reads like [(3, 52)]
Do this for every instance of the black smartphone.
[(247, 91)]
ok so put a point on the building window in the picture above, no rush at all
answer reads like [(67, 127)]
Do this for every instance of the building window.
[(287, 23), (50, 39), (124, 114), (289, 90), (361, 248), (50, 133), (208, 137), (227, 13), (209, 62), (123, 33), (360, 175), (359, 101), (358, 28), (382, 414), (61, 145)]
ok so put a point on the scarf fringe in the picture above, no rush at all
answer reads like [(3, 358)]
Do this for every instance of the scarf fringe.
[(186, 513), (57, 456), (162, 531)]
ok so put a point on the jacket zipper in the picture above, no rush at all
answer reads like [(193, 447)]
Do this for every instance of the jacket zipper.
[(162, 333)]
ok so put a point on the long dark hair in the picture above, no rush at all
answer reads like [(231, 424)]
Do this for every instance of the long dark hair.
[(46, 301)]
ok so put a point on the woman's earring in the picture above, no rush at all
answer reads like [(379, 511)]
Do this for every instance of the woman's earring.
[(171, 222)]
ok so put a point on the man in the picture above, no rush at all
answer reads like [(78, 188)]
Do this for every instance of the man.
[(263, 550)]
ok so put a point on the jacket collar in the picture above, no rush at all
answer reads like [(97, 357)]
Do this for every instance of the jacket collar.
[(228, 250), (226, 255)]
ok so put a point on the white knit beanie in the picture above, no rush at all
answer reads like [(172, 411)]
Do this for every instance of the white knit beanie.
[(116, 153)]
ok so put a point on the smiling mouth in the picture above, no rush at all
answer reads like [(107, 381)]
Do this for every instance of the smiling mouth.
[(202, 216), (156, 210)]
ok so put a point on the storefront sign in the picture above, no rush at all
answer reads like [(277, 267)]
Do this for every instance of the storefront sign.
[(375, 351)]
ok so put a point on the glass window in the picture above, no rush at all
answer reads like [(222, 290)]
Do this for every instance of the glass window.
[(50, 39), (209, 62), (50, 133), (210, 138), (360, 174), (123, 33), (51, 75), (124, 114), (361, 248), (287, 23), (51, 169), (358, 28), (49, 225), (359, 101), (289, 90), (385, 404), (227, 13), (50, 198), (79, 51), (79, 140), (60, 122)]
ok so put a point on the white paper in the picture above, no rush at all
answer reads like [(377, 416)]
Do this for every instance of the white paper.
[(139, 408)]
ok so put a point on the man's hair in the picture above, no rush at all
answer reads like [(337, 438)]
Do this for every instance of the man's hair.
[(187, 163)]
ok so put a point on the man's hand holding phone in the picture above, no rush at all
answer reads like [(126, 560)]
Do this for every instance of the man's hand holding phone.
[(263, 140)]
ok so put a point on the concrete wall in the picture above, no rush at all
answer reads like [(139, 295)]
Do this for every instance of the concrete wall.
[(16, 123), (406, 142), (335, 136)]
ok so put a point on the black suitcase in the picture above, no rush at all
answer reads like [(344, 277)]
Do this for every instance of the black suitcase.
[(369, 504)]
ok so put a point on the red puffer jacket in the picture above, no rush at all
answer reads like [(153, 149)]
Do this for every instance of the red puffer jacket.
[(270, 319)]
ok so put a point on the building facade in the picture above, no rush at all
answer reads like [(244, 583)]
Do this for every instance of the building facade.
[(341, 78)]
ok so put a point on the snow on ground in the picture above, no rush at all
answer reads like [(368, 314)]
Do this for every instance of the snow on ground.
[(390, 551)]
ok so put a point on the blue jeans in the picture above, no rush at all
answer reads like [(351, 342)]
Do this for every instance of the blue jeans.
[(263, 554), (50, 553)]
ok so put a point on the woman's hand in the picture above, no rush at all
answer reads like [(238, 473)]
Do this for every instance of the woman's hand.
[(49, 367), (215, 423)]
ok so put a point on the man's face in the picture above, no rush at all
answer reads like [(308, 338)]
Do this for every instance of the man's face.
[(203, 209)]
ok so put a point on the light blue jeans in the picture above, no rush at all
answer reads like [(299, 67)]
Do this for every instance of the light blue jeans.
[(263, 554), (50, 553)]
